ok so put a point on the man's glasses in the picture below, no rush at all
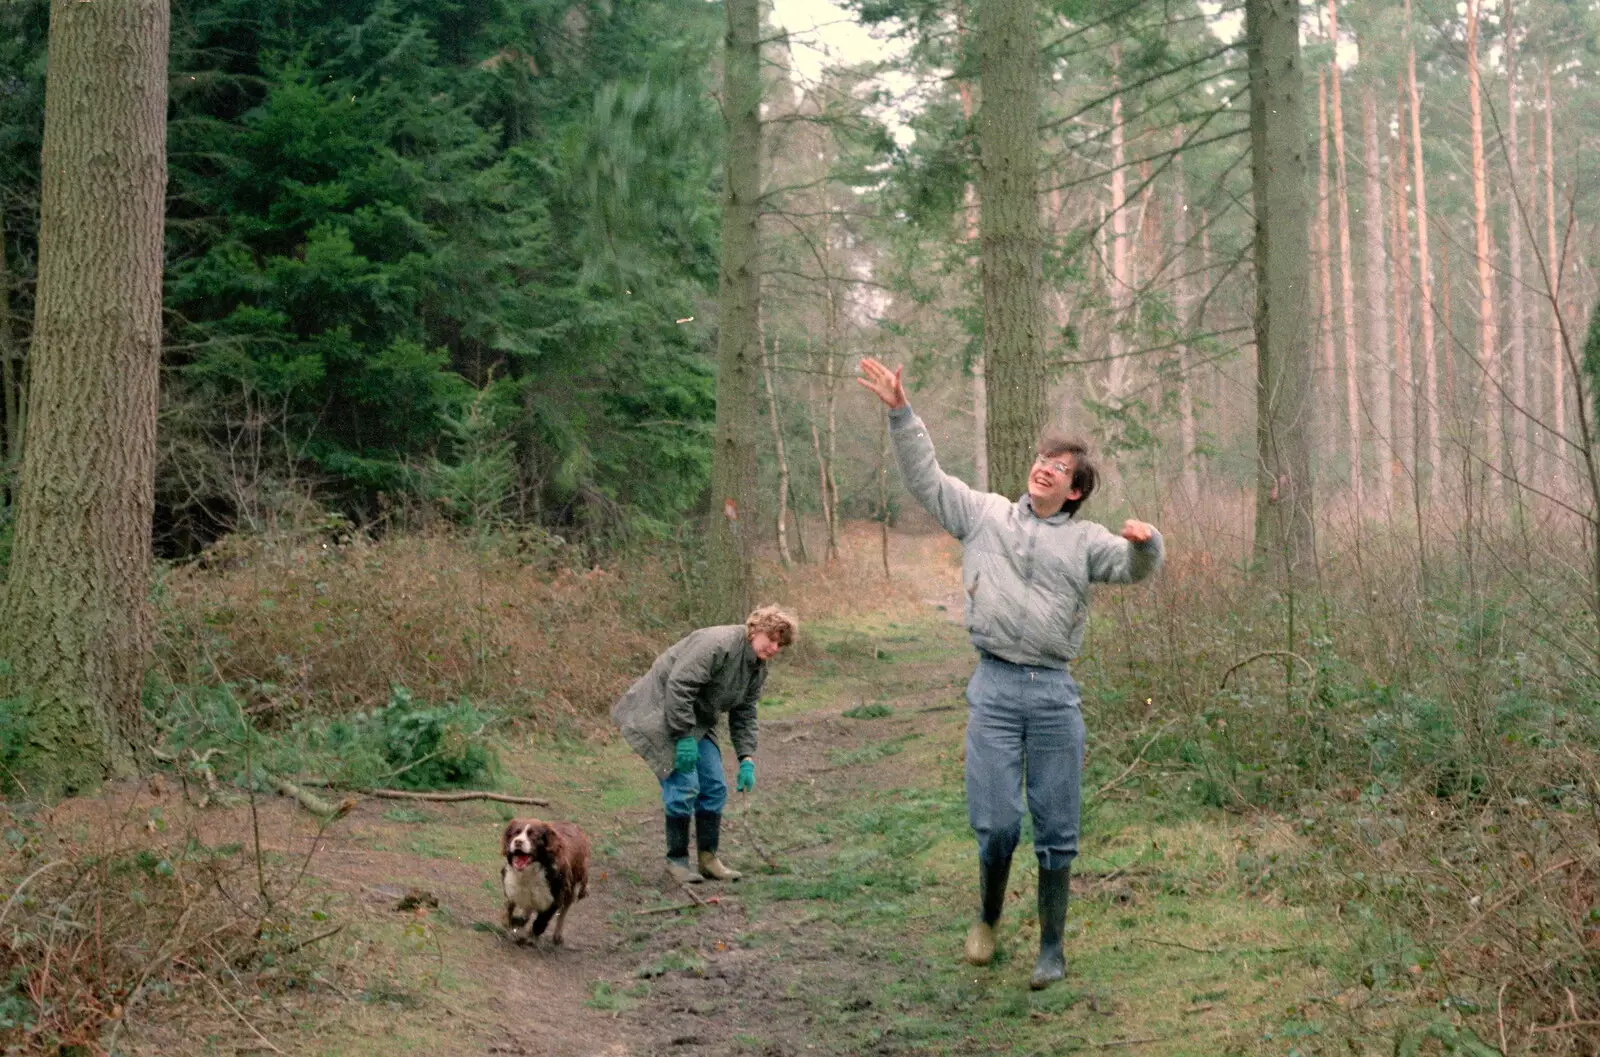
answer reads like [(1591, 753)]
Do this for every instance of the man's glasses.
[(1060, 469)]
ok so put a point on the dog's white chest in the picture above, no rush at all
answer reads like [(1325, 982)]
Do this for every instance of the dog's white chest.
[(527, 888)]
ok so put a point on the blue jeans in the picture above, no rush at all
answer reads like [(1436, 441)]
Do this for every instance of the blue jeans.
[(702, 790), (1024, 720)]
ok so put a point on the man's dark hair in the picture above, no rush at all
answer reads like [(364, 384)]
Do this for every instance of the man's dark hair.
[(1084, 476)]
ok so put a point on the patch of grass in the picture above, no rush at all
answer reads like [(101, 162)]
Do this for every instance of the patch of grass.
[(409, 815), (870, 753), (610, 997), (869, 711)]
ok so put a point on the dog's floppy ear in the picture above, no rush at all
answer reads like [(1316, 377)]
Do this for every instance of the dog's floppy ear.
[(505, 837), (550, 838)]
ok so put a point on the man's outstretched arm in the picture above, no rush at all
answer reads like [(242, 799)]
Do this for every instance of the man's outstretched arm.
[(950, 500)]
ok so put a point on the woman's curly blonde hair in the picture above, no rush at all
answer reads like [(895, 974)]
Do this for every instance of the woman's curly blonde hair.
[(777, 624)]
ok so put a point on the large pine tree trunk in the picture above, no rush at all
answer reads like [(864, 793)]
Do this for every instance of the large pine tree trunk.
[(1430, 352), (1347, 287), (1380, 362), (1284, 538), (1008, 145), (1515, 301), (732, 519), (76, 623), (1488, 332)]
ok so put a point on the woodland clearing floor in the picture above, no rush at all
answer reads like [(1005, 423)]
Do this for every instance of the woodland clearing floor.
[(851, 946)]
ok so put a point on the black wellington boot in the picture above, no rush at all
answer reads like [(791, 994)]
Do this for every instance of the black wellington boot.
[(992, 877), (678, 851), (1052, 964)]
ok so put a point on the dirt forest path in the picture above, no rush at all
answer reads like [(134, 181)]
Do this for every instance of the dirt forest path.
[(844, 936)]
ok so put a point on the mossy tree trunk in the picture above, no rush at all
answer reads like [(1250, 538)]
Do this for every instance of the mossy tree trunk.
[(1012, 251), (1284, 532), (76, 621), (733, 521)]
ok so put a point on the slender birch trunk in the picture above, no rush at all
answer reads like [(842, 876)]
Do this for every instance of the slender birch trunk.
[(830, 549), (1330, 366), (830, 400), (777, 440), (1121, 279), (1380, 362), (1184, 302), (980, 386), (1520, 412), (1405, 419), (1347, 292), (1552, 271), (1488, 332), (1430, 347)]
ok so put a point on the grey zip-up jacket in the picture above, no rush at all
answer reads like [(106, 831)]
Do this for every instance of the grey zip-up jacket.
[(1026, 578), (687, 689)]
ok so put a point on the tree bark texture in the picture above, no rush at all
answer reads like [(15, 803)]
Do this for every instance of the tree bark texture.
[(1285, 363), (732, 523), (1008, 148), (1380, 363), (11, 381), (1429, 345), (1347, 288), (76, 623), (1488, 332)]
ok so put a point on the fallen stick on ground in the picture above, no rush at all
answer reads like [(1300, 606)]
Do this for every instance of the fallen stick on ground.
[(450, 798), (305, 798)]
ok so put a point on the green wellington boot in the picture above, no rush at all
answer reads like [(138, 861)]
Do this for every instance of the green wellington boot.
[(992, 879), (707, 835), (678, 851), (1052, 964)]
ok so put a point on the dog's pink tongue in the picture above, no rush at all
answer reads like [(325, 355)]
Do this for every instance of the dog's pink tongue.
[(521, 862)]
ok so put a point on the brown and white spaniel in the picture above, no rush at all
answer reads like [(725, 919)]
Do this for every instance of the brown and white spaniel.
[(546, 871)]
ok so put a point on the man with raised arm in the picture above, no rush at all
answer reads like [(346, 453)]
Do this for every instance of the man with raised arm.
[(1026, 567)]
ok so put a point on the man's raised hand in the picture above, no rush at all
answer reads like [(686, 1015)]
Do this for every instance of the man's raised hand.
[(1137, 531), (883, 382)]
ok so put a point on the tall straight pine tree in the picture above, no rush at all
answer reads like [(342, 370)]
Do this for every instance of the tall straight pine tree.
[(1013, 281), (1284, 361), (76, 622), (733, 521)]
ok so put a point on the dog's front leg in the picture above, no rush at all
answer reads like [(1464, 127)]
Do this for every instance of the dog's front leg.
[(543, 920), (561, 920)]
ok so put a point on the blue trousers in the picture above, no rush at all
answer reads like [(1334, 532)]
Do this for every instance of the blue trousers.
[(1024, 721), (703, 790)]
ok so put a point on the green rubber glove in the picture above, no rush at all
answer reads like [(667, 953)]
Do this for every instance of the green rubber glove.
[(747, 775), (688, 756)]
